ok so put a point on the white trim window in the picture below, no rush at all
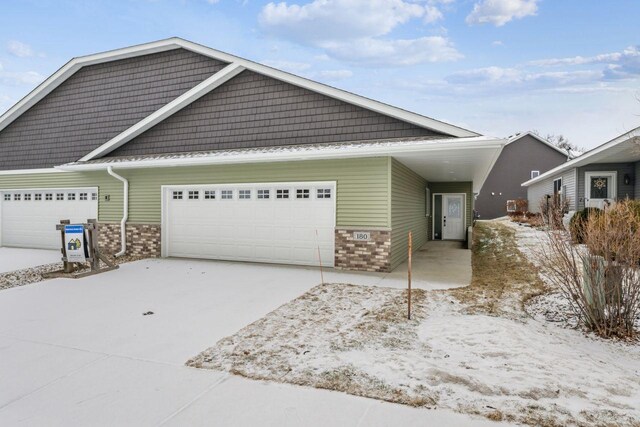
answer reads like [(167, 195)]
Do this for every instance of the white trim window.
[(599, 186), (535, 174)]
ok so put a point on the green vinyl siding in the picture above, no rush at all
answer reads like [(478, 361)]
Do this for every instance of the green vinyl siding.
[(108, 210), (407, 211), (361, 185), (455, 187)]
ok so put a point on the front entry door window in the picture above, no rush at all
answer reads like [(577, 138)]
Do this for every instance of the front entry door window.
[(599, 187), (453, 217)]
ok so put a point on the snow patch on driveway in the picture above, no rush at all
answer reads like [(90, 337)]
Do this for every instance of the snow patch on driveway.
[(356, 339)]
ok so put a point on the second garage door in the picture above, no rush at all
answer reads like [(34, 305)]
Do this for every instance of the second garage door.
[(28, 218), (273, 222)]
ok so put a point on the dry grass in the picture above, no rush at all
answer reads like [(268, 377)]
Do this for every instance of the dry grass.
[(503, 278)]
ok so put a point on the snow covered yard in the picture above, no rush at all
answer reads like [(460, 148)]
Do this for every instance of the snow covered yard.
[(356, 339), (494, 361)]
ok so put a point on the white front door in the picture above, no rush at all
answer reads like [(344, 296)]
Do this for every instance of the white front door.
[(286, 223), (28, 217), (599, 188), (453, 217)]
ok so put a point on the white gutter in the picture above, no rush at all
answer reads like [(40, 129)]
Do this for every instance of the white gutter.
[(125, 211), (293, 155)]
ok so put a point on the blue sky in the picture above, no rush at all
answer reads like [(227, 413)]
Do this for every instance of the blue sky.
[(568, 67)]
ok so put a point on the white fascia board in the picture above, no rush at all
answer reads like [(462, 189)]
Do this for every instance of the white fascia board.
[(584, 159), (75, 64), (71, 67), (219, 78), (280, 156), (30, 171), (330, 91)]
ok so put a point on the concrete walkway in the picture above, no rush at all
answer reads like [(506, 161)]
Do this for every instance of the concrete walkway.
[(437, 265), (80, 352)]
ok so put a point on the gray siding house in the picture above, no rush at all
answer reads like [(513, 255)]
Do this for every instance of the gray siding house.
[(605, 174), (525, 156), (181, 150)]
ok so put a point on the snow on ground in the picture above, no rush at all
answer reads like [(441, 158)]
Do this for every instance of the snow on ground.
[(12, 259), (356, 339)]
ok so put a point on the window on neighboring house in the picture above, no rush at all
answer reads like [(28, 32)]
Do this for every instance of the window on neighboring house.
[(535, 174), (177, 195)]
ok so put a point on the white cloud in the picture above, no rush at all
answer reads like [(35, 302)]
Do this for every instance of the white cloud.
[(212, 1), (290, 66), (497, 43), (333, 75), (353, 30), (618, 65), (378, 52), (20, 77), (499, 12), (19, 49)]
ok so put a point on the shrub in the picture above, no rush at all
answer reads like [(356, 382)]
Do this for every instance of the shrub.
[(553, 209), (579, 221), (601, 280)]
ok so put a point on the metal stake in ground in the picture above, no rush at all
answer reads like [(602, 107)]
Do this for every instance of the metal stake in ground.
[(409, 279)]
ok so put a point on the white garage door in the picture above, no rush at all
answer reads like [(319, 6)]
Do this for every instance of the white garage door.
[(28, 218), (277, 222)]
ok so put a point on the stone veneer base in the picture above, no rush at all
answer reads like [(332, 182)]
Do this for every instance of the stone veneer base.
[(142, 239), (371, 255)]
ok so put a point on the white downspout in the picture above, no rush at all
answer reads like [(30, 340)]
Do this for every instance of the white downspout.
[(125, 212)]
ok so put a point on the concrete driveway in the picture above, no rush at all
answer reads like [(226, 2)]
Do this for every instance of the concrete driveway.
[(12, 259), (80, 352)]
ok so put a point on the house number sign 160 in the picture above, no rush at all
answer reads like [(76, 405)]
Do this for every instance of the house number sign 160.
[(361, 235)]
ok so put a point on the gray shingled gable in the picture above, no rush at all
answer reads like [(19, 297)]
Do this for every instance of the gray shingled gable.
[(96, 104), (253, 110)]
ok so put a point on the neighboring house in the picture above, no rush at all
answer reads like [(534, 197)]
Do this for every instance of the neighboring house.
[(525, 156), (604, 174), (198, 153)]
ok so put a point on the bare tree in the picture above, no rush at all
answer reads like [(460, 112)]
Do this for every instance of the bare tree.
[(560, 141)]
